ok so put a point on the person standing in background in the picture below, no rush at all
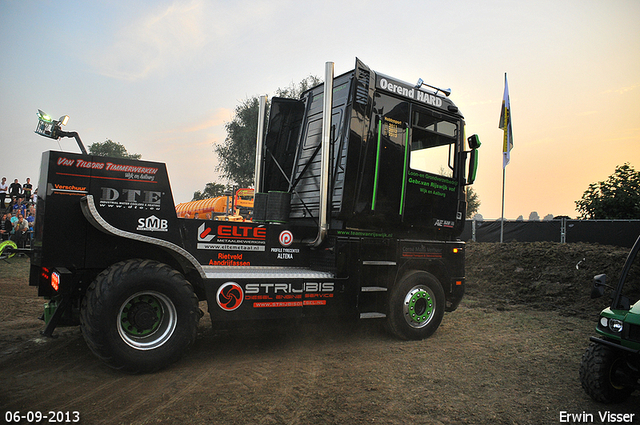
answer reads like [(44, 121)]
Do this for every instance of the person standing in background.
[(26, 190), (4, 189), (5, 227), (15, 190)]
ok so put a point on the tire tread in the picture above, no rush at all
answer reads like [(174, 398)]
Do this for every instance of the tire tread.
[(105, 287)]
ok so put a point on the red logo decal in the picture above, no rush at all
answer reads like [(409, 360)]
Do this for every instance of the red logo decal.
[(286, 238), (205, 233), (230, 296)]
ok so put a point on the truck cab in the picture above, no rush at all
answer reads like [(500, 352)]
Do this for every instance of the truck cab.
[(359, 201)]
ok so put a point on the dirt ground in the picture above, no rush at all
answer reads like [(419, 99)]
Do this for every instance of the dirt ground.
[(510, 354)]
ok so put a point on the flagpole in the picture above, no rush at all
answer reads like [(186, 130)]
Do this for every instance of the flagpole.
[(504, 173), (507, 144)]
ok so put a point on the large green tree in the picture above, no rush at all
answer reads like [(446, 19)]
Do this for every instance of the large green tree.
[(211, 190), (618, 197), (237, 153), (112, 149), (294, 91), (473, 202)]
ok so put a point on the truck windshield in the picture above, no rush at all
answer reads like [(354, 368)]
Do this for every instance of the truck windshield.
[(432, 144)]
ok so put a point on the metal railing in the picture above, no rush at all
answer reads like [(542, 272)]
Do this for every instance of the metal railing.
[(605, 232)]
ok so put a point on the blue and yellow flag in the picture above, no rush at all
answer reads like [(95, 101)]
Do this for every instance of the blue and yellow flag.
[(505, 124)]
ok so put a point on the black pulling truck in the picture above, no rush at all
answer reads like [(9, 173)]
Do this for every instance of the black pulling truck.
[(360, 198)]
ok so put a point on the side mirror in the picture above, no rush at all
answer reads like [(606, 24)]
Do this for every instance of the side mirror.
[(599, 283), (474, 144), (474, 141)]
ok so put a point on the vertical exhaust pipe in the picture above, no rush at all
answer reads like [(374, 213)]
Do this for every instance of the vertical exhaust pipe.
[(259, 141), (323, 207)]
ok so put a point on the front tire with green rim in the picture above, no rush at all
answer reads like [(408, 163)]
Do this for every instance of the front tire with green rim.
[(139, 316), (416, 306)]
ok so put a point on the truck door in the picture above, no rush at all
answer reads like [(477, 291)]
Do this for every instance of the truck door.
[(388, 160), (281, 143), (432, 186)]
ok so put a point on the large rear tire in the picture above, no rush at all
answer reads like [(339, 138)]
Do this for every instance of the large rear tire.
[(416, 306), (139, 316)]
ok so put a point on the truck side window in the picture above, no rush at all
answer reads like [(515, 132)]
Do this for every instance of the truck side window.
[(432, 144), (388, 156)]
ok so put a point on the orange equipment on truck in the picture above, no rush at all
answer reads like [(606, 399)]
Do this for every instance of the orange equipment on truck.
[(238, 208)]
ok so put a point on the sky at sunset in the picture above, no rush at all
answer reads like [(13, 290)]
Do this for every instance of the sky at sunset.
[(163, 77)]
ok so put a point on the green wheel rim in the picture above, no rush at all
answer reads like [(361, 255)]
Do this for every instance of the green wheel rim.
[(8, 244), (146, 320), (419, 306)]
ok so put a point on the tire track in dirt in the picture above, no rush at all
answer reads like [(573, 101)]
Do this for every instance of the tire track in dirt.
[(244, 369), (73, 378), (152, 405)]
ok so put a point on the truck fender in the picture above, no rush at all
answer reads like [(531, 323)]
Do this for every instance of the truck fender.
[(90, 212)]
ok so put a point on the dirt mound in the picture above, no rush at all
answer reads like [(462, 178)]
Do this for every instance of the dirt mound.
[(545, 275)]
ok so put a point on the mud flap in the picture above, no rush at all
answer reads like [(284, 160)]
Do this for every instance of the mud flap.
[(65, 301)]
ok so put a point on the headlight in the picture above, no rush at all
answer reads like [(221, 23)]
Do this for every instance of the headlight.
[(604, 322), (615, 325)]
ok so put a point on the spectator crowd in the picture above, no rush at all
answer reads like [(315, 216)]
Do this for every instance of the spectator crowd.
[(18, 209)]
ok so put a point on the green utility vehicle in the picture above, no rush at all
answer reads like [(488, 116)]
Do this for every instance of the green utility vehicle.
[(610, 369)]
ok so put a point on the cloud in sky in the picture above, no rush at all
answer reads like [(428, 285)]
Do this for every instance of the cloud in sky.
[(169, 36), (166, 36), (623, 90), (213, 118)]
